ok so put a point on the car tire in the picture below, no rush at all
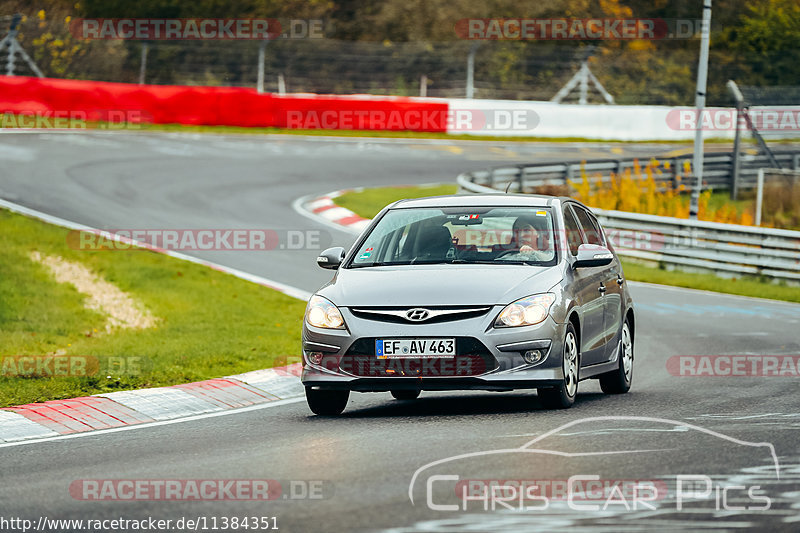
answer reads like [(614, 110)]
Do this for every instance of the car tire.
[(327, 402), (563, 396), (619, 380), (405, 394)]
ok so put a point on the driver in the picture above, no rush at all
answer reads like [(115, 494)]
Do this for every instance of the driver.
[(528, 241)]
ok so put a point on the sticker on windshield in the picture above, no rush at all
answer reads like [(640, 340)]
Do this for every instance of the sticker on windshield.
[(469, 217), (541, 213)]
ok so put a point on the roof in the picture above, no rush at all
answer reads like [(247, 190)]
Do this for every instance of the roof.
[(482, 200)]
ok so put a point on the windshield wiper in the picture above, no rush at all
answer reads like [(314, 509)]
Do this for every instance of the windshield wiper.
[(365, 265), (444, 262), (479, 262)]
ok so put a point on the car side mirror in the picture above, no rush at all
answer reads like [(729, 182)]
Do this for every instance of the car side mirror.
[(592, 255), (331, 258)]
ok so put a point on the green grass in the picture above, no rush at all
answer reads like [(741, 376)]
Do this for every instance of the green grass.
[(410, 134), (212, 324), (369, 202), (743, 286), (746, 200)]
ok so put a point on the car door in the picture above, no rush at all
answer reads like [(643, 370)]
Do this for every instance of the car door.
[(585, 287), (611, 280)]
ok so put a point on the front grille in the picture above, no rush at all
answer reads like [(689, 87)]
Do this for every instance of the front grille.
[(396, 315), (472, 359)]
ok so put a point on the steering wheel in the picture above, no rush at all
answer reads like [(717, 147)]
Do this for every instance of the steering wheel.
[(533, 255), (507, 252)]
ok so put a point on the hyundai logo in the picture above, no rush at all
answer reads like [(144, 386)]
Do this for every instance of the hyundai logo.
[(417, 314)]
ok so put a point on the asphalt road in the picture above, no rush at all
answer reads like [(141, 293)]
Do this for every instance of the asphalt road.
[(368, 464)]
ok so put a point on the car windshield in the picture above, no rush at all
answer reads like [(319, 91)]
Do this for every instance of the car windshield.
[(478, 235)]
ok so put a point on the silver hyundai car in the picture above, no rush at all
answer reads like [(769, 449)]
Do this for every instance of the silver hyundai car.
[(486, 292)]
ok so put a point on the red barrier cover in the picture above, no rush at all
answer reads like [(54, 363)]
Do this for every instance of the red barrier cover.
[(219, 106)]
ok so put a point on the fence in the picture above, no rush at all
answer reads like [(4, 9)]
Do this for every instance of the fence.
[(433, 62), (726, 249), (717, 171)]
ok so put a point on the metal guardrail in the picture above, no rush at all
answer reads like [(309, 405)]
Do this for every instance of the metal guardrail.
[(717, 171), (726, 249)]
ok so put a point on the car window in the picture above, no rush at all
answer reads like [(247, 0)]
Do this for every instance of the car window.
[(573, 231), (412, 236), (591, 230)]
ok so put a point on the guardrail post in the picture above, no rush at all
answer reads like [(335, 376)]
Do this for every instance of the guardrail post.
[(735, 164), (674, 168), (519, 179), (262, 47), (795, 161), (759, 195), (143, 63)]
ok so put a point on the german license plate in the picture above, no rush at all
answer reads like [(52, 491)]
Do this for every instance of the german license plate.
[(407, 348)]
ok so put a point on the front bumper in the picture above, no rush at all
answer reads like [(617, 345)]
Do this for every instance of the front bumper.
[(496, 356)]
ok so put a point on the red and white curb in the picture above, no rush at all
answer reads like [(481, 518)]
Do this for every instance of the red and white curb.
[(125, 408), (324, 209)]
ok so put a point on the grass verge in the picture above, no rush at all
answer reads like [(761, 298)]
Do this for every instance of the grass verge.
[(211, 324), (369, 202), (742, 286)]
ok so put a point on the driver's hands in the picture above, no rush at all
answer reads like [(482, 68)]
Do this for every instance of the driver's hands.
[(525, 249)]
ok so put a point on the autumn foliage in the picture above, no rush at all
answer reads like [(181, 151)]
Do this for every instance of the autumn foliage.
[(647, 189)]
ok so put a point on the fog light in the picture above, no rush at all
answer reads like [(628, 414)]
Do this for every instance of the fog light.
[(314, 357), (532, 356)]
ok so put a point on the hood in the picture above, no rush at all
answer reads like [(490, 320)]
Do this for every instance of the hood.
[(429, 285)]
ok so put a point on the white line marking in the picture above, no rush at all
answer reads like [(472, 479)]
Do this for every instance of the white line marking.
[(289, 290), (275, 403), (685, 289)]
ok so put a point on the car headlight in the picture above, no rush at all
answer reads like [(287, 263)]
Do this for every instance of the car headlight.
[(322, 313), (526, 311)]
